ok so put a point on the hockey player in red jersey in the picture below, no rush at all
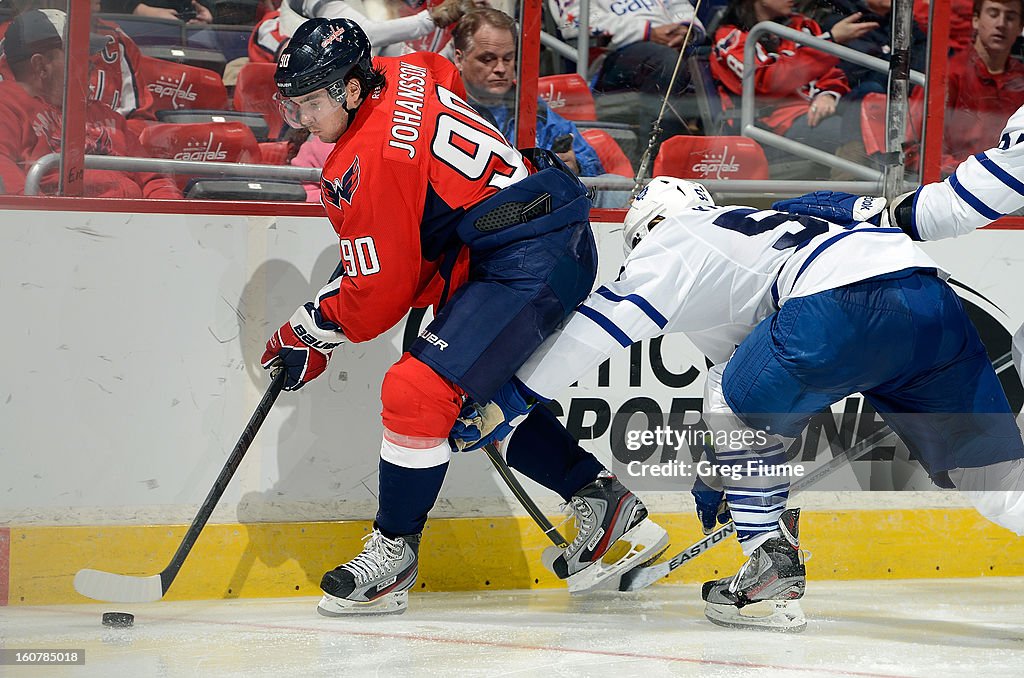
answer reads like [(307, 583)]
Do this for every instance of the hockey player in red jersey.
[(433, 207)]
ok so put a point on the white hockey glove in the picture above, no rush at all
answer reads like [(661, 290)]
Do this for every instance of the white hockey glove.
[(479, 425)]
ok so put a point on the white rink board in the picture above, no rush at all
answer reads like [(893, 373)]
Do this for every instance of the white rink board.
[(131, 364)]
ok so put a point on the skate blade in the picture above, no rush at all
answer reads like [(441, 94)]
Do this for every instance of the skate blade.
[(389, 603), (780, 616), (632, 549)]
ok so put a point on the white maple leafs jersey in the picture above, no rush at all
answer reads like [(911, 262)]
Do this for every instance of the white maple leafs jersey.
[(714, 273)]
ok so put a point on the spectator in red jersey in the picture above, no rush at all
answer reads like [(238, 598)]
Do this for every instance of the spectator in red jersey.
[(798, 88), (424, 30), (31, 116), (112, 66), (267, 38), (985, 84), (960, 13)]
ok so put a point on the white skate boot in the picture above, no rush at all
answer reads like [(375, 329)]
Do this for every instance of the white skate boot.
[(377, 581), (615, 535)]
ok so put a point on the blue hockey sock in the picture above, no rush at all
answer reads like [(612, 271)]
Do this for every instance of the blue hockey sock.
[(406, 496), (542, 450)]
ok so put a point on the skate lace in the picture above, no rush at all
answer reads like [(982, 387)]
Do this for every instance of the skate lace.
[(378, 555), (585, 517)]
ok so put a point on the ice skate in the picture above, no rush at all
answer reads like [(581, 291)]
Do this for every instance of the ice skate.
[(377, 581), (763, 594), (614, 535)]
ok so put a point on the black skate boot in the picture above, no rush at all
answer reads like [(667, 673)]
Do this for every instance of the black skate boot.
[(771, 580), (614, 535), (377, 581)]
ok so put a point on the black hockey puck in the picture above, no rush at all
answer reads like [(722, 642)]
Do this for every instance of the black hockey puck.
[(121, 620)]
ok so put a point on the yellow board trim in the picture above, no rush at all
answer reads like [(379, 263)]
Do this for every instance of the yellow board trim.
[(469, 554)]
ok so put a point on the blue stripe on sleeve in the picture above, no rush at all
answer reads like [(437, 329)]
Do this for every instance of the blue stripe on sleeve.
[(606, 325), (999, 173), (637, 301), (972, 200), (914, 233)]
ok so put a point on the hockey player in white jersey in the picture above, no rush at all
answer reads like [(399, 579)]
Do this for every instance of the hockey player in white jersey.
[(796, 313)]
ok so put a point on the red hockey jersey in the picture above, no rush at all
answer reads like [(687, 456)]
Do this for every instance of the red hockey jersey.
[(32, 129), (266, 39), (787, 78), (111, 74), (978, 104), (397, 183)]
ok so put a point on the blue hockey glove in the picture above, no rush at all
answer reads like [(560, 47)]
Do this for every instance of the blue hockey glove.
[(711, 506), (844, 209), (479, 425)]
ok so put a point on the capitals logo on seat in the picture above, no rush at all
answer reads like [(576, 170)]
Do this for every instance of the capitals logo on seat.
[(344, 188)]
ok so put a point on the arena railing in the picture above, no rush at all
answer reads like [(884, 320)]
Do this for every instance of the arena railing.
[(748, 128), (721, 187), (49, 162)]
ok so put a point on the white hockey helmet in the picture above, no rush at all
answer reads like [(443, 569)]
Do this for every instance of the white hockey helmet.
[(663, 197)]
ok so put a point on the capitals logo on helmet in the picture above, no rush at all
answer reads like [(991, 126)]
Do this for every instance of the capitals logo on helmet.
[(662, 198)]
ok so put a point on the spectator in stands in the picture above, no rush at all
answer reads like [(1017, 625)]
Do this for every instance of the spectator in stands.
[(307, 150), (113, 66), (960, 24), (388, 38), (485, 54), (267, 39), (876, 43), (643, 40), (985, 84), (798, 88), (189, 11), (31, 116)]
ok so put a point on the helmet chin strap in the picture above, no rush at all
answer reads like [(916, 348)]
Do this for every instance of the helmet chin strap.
[(343, 100)]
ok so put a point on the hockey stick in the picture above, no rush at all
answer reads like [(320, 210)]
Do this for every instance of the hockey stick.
[(123, 588), (517, 489), (642, 577)]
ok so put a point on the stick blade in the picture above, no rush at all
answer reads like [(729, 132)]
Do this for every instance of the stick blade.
[(118, 588), (642, 577)]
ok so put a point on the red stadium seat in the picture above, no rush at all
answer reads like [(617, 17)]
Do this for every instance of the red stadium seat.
[(177, 86), (229, 142), (274, 152), (215, 141), (568, 95), (255, 90), (693, 157), (872, 122), (608, 151)]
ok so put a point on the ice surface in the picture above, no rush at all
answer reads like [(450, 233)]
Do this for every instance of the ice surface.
[(933, 628)]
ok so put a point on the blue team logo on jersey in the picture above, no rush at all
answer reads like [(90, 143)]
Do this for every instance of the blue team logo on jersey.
[(344, 188)]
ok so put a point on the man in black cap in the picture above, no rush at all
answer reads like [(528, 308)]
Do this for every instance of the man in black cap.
[(31, 115)]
